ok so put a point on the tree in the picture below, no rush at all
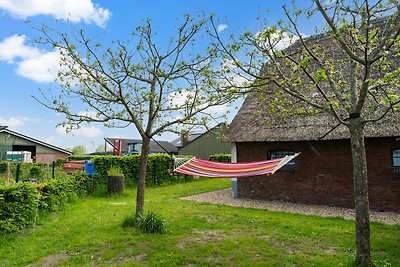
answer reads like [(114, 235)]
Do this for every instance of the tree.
[(154, 87), (101, 148), (356, 85), (79, 150)]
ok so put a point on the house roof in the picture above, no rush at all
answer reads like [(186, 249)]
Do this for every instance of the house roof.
[(154, 147), (256, 122), (4, 129)]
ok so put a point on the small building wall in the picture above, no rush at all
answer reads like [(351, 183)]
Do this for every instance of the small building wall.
[(324, 179), (204, 146)]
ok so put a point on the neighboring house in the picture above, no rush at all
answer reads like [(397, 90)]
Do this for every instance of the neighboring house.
[(40, 151), (206, 144), (322, 173), (132, 146)]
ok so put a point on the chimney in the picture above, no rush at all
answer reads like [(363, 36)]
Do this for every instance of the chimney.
[(185, 138)]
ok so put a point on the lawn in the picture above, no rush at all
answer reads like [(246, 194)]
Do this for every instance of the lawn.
[(89, 233)]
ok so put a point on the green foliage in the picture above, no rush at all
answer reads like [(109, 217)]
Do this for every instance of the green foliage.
[(220, 157), (152, 223), (114, 171), (35, 172), (55, 193), (79, 150), (80, 157), (18, 204), (59, 162), (159, 170), (3, 168)]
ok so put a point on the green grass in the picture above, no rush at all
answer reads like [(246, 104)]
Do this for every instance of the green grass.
[(90, 233)]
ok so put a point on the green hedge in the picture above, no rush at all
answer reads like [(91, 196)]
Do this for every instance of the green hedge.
[(159, 169), (80, 157), (20, 202), (55, 193), (220, 157)]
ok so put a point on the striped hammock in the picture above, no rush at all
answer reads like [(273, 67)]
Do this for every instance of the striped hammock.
[(200, 167)]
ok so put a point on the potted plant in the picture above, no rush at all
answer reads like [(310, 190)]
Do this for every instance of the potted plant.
[(116, 180)]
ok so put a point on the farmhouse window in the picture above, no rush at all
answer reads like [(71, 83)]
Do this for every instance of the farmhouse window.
[(280, 153), (396, 157)]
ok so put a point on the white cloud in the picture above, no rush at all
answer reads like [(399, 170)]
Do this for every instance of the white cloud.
[(222, 27), (32, 63), (91, 114), (234, 75), (182, 99), (83, 131), (16, 122), (69, 10), (179, 99), (278, 41)]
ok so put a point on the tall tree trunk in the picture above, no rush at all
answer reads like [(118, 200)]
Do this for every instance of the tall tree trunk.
[(363, 254), (142, 176)]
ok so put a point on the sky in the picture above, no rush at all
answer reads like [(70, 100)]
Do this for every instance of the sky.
[(26, 66)]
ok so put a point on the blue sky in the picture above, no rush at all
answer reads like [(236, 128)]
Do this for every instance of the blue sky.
[(24, 65)]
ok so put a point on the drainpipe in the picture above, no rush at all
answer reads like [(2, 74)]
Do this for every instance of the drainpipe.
[(234, 160)]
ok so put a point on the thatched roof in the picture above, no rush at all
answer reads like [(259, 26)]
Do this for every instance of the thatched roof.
[(251, 126), (256, 122)]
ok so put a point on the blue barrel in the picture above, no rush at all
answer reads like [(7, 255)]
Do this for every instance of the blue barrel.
[(89, 167)]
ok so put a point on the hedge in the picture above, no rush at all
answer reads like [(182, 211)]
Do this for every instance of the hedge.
[(159, 169), (220, 157), (80, 157), (20, 202)]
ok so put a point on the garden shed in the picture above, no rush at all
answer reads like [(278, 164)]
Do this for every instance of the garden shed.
[(39, 150), (322, 174)]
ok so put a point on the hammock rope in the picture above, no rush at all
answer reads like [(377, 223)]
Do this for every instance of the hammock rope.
[(200, 167)]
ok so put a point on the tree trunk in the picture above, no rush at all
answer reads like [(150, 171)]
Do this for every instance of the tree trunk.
[(363, 254), (142, 177)]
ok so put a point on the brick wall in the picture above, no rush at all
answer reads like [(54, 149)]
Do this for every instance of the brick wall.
[(325, 178), (49, 158)]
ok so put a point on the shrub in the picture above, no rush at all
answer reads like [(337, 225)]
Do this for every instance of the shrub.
[(220, 157), (152, 223), (80, 157), (159, 170), (59, 162), (35, 172), (18, 205)]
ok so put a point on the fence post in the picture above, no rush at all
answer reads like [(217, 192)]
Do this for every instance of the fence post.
[(17, 172), (52, 173)]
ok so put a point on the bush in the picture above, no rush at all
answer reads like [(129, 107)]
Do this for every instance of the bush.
[(55, 193), (220, 157), (18, 206), (19, 202), (80, 157), (152, 223), (35, 172), (159, 170)]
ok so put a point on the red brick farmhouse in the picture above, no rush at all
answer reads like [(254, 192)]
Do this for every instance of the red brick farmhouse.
[(322, 173)]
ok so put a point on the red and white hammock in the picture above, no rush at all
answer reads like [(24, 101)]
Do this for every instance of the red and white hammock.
[(200, 167)]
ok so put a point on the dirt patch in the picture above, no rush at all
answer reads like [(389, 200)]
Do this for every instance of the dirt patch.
[(202, 237), (51, 260)]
